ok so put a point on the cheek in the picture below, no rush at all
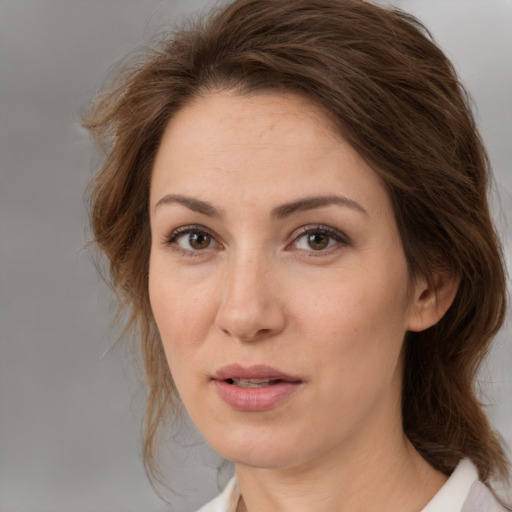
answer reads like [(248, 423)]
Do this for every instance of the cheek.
[(183, 311), (357, 352), (350, 307), (359, 325)]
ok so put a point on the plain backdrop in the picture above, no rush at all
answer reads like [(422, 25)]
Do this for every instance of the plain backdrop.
[(70, 410)]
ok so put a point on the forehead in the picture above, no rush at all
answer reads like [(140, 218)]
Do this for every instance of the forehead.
[(291, 117), (275, 145)]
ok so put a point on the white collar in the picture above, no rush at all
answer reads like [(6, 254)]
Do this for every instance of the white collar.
[(454, 492), (227, 501)]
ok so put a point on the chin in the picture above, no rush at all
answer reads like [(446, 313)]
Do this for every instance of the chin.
[(265, 450), (263, 458)]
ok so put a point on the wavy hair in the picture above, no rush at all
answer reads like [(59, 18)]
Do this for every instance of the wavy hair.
[(397, 99)]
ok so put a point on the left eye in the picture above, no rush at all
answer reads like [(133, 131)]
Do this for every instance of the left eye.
[(318, 240)]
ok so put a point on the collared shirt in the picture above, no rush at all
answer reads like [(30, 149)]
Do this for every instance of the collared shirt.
[(462, 492)]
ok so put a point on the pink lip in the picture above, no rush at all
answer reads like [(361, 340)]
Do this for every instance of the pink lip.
[(254, 399)]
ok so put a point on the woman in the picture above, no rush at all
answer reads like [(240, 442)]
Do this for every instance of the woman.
[(293, 206)]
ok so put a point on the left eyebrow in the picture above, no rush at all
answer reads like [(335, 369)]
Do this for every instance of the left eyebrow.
[(313, 202)]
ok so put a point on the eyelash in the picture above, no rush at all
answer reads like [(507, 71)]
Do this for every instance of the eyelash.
[(340, 238)]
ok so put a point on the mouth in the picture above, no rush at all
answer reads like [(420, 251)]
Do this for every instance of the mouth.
[(253, 376), (253, 383), (254, 388)]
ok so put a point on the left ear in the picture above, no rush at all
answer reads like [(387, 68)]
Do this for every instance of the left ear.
[(431, 300)]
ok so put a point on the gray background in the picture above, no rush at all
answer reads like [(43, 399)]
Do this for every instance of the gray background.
[(69, 409)]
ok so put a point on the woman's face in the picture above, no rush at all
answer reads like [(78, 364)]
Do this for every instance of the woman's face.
[(277, 280)]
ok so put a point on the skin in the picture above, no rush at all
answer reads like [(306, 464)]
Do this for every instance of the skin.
[(259, 293)]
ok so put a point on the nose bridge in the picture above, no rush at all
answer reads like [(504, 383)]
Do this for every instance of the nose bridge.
[(250, 306), (244, 274)]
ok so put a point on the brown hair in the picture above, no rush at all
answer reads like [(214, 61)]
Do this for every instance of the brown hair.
[(397, 100)]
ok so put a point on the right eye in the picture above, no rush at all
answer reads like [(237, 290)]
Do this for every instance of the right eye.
[(192, 239)]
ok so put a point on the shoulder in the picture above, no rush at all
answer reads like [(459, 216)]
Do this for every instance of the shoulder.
[(226, 501)]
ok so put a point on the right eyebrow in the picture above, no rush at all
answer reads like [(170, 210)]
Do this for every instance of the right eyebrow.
[(195, 205)]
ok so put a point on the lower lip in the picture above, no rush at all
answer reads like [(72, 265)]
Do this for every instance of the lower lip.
[(255, 399)]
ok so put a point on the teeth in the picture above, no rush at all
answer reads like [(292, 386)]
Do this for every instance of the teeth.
[(253, 383)]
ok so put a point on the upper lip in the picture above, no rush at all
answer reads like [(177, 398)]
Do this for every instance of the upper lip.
[(237, 371)]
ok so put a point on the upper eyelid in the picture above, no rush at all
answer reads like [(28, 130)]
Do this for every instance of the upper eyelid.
[(311, 228), (183, 230)]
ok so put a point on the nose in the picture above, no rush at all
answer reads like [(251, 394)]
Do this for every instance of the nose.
[(251, 307)]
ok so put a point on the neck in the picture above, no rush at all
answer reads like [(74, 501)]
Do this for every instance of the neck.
[(390, 475)]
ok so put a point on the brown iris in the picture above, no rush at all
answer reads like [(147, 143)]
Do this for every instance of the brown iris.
[(198, 240), (318, 241)]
